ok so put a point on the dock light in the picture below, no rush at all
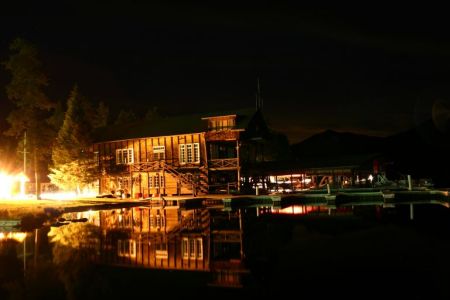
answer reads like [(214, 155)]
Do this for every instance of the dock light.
[(370, 177)]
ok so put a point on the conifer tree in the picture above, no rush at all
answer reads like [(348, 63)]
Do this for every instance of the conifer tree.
[(74, 165), (32, 106), (125, 117), (102, 114)]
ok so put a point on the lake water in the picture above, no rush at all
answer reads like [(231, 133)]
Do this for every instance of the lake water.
[(355, 252)]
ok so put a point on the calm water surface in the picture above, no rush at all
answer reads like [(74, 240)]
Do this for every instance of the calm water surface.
[(357, 252)]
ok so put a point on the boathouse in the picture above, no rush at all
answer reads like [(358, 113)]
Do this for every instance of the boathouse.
[(190, 154)]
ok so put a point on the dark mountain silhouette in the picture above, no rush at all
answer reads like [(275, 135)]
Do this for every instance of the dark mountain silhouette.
[(423, 151), (332, 143)]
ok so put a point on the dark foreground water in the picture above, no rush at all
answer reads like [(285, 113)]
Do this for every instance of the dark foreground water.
[(361, 252)]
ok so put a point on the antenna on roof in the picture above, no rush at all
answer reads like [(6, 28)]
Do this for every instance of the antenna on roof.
[(259, 100)]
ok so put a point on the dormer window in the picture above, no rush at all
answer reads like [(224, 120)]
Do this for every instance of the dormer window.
[(222, 123)]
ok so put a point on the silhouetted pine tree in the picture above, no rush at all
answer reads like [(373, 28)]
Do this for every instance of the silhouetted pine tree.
[(74, 164)]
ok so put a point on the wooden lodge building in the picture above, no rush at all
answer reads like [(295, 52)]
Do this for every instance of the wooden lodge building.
[(180, 155)]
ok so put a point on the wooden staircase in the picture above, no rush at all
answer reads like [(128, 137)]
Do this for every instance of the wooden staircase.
[(200, 186)]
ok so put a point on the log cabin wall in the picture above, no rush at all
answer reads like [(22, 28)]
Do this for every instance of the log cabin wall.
[(207, 160), (139, 167)]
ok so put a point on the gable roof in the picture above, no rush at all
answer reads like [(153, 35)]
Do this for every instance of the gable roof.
[(174, 125)]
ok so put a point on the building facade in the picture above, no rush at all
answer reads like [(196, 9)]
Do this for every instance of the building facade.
[(194, 154)]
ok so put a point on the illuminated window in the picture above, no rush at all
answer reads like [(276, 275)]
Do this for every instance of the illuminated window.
[(159, 152), (192, 248), (183, 153), (156, 177), (152, 221), (199, 248), (157, 220), (124, 156), (157, 181), (192, 251), (222, 124), (126, 248), (161, 250), (190, 153), (184, 248), (196, 152)]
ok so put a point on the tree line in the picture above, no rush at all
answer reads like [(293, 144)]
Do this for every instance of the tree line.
[(54, 139)]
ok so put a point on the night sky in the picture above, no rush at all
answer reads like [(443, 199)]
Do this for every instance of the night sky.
[(372, 70)]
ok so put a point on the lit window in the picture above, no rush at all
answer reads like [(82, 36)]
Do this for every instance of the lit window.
[(183, 153), (222, 124), (158, 220), (196, 153), (184, 248), (192, 248), (124, 156), (199, 248), (192, 251), (156, 185), (161, 250), (190, 153), (159, 181), (159, 152), (126, 248)]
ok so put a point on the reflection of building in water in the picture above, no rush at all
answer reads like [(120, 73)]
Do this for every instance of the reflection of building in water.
[(156, 237), (167, 237), (227, 252)]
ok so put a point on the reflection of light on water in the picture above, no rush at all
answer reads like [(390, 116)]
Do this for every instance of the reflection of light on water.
[(18, 236), (68, 195), (295, 210)]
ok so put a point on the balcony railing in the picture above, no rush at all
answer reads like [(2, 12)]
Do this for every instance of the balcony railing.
[(225, 163)]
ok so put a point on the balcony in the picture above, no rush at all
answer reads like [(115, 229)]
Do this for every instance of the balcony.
[(223, 164), (222, 135)]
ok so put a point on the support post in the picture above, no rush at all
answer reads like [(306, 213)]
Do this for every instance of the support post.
[(25, 153), (131, 183), (241, 235), (36, 176), (409, 183), (25, 254), (36, 246), (238, 167), (411, 211)]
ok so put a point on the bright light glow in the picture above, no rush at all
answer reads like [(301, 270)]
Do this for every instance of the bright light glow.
[(370, 177), (295, 210), (68, 195), (18, 236), (12, 186)]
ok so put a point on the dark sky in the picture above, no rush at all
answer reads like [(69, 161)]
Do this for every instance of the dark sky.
[(374, 70)]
